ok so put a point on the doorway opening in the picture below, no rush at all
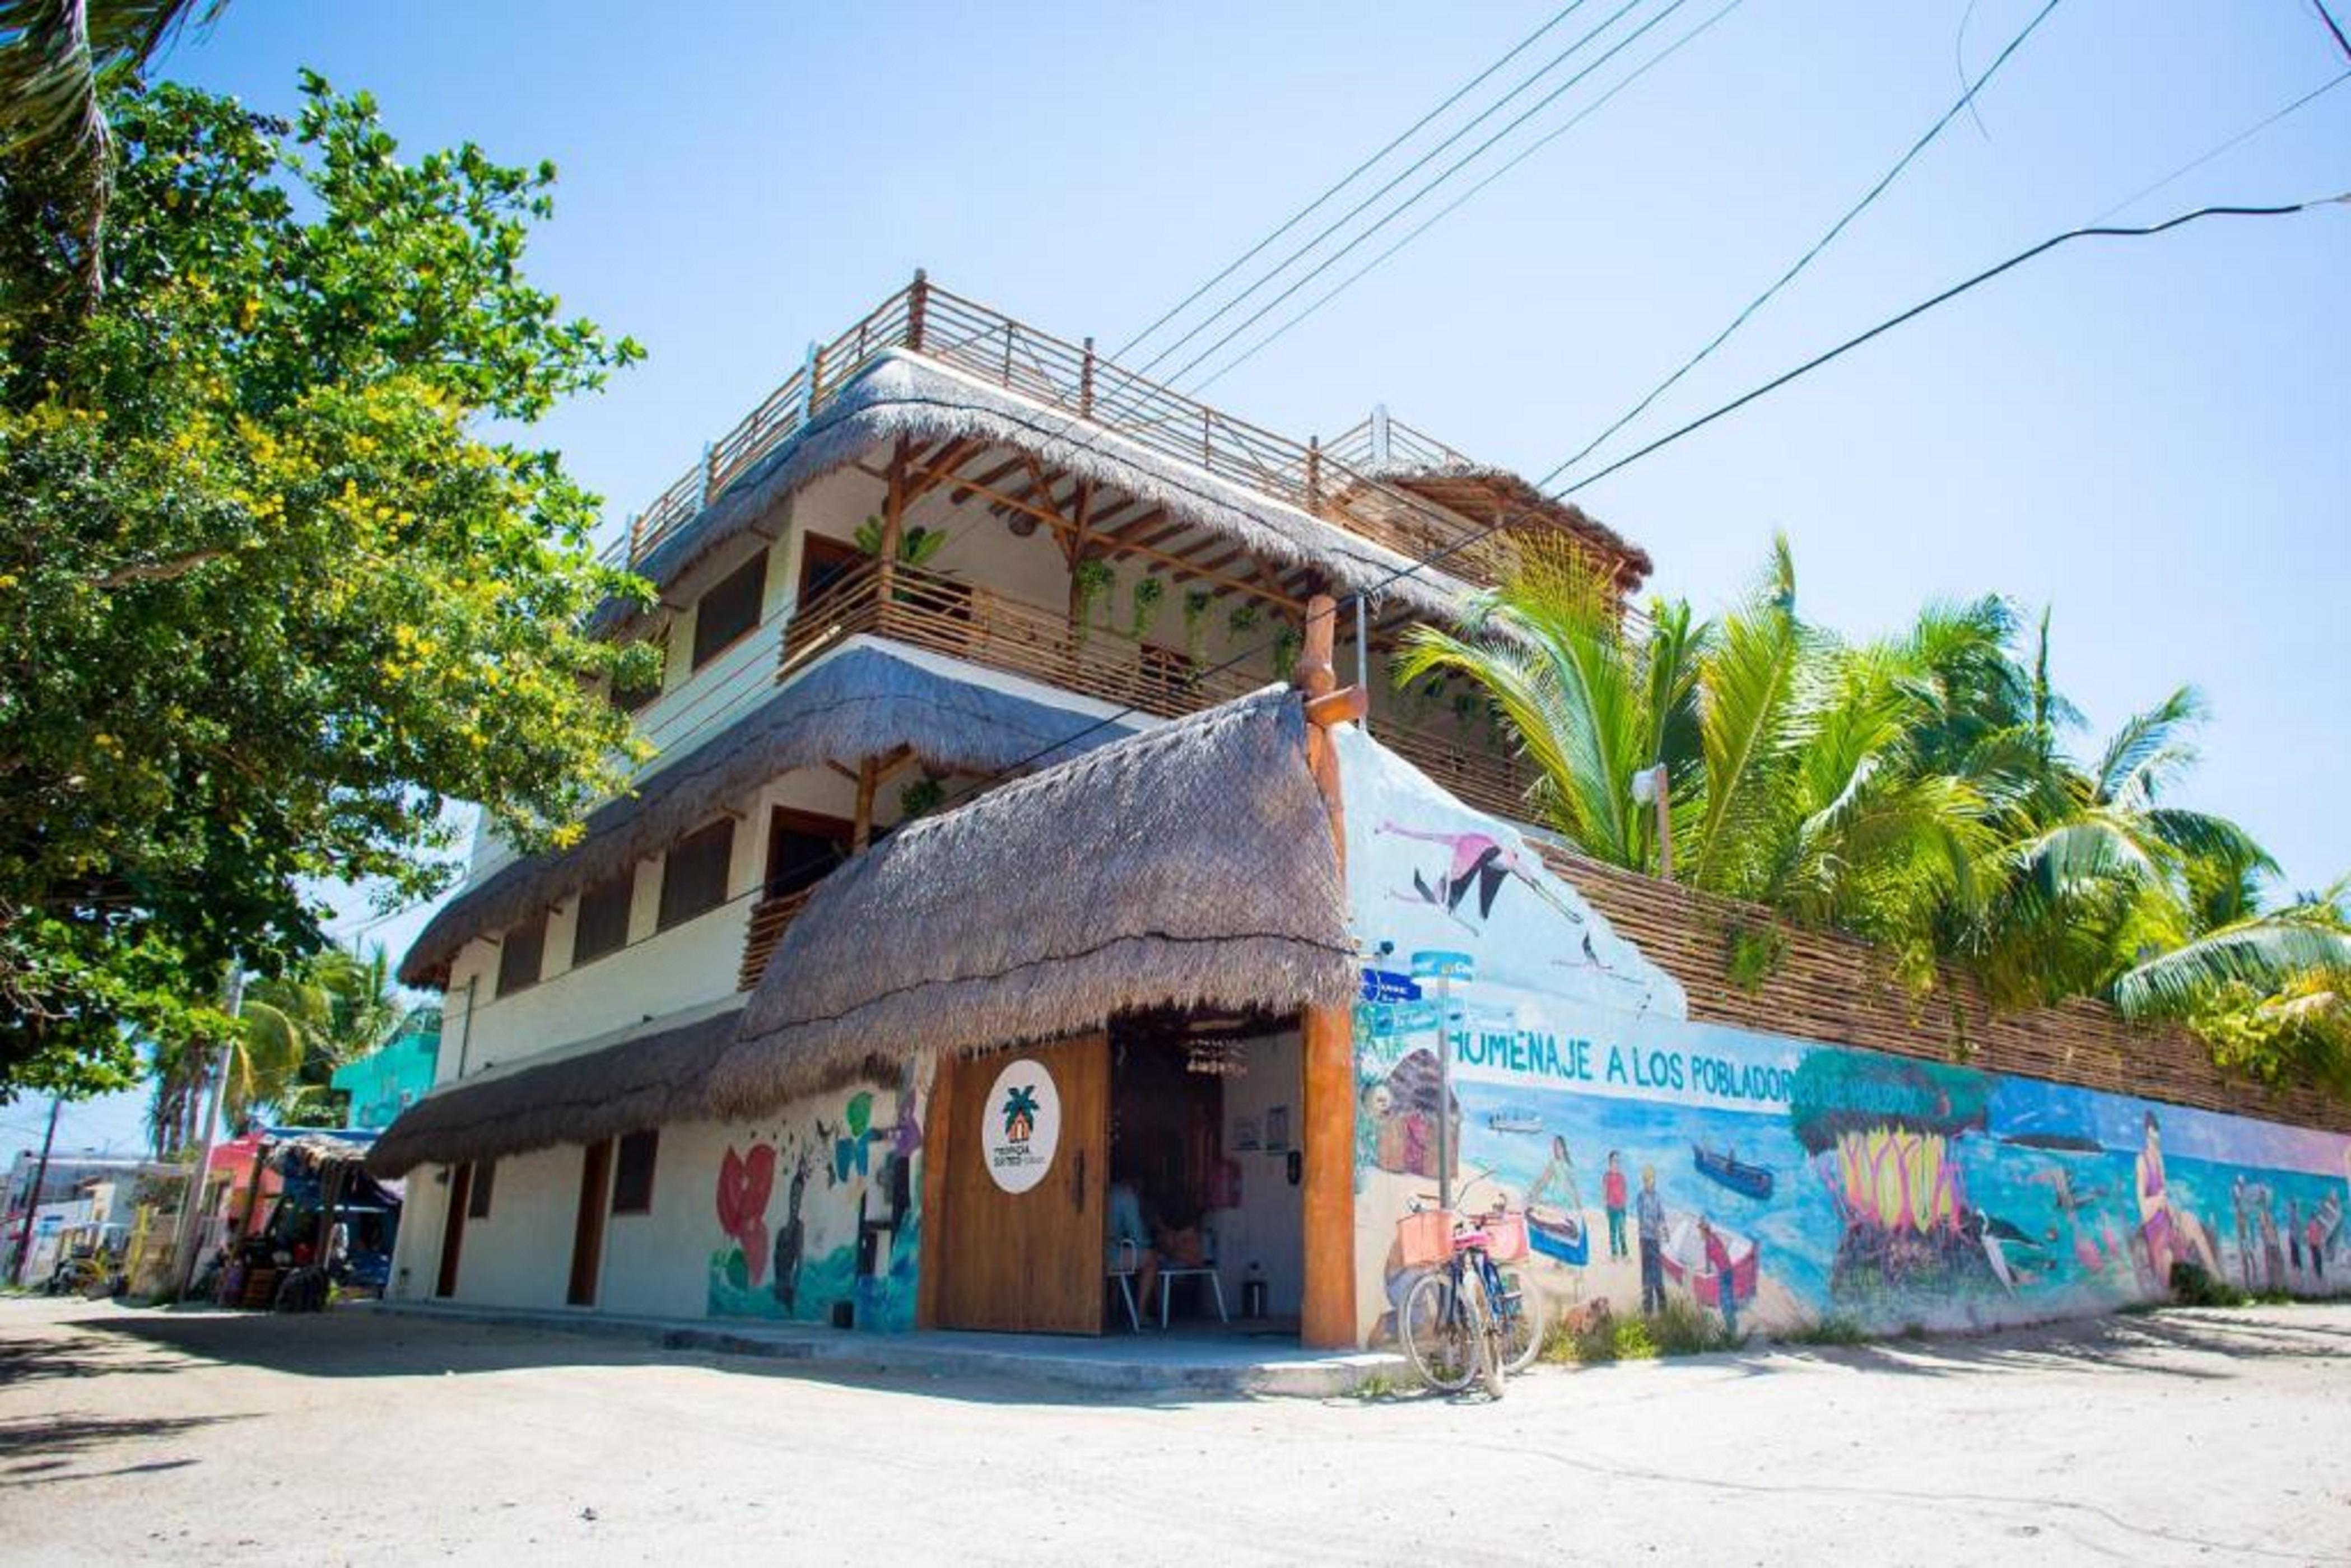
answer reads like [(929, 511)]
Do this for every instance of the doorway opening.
[(1206, 1173)]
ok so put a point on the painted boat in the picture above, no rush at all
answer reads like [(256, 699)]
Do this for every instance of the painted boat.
[(1558, 1235), (1515, 1121), (1727, 1168), (1684, 1255)]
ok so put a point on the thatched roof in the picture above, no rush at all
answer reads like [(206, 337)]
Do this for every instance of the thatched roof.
[(1481, 494), (902, 394), (857, 703), (1190, 865), (653, 1074)]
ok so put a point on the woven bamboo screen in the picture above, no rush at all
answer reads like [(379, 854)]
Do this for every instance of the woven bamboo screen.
[(1836, 989)]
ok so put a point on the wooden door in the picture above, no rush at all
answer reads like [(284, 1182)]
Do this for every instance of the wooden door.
[(453, 1227), (1030, 1260), (588, 1233)]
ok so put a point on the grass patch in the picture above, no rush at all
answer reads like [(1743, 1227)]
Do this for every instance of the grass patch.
[(1596, 1336), (1825, 1331), (2194, 1285)]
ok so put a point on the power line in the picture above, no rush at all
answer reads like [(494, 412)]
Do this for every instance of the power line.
[(2328, 17), (1869, 197), (1450, 169), (2019, 259), (2193, 165), (1449, 208), (1351, 213), (1349, 178)]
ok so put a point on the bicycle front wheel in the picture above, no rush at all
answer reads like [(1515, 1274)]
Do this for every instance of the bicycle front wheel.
[(1521, 1312), (1443, 1330)]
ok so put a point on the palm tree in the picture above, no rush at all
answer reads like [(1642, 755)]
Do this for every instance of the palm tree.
[(59, 58), (293, 1030), (2269, 989), (1592, 701)]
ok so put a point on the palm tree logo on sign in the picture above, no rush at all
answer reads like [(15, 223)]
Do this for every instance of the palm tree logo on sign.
[(1020, 1112), (1024, 1127)]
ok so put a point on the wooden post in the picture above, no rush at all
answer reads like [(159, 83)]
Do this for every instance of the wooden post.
[(861, 828), (894, 525), (1086, 382), (1665, 825), (1328, 1124), (1314, 476), (938, 1135), (918, 305)]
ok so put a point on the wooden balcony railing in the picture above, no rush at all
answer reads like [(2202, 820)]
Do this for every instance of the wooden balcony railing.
[(983, 626), (1073, 379), (770, 916)]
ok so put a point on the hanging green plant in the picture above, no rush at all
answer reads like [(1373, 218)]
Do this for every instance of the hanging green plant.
[(1244, 619), (1095, 579), (1148, 592), (1285, 644), (1197, 602), (921, 797)]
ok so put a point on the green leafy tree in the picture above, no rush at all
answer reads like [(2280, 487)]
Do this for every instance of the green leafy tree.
[(270, 595)]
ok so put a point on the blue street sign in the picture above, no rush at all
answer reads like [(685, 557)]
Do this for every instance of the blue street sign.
[(1387, 985), (1438, 965)]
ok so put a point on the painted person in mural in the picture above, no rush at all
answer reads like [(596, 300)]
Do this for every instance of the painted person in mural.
[(1612, 1196), (1719, 1262), (2167, 1229), (1649, 1217)]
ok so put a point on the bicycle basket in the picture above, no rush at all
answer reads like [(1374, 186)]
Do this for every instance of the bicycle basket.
[(1426, 1238)]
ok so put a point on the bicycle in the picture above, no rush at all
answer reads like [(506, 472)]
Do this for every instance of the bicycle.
[(1467, 1318)]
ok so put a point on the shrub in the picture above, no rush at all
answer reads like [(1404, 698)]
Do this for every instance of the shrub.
[(1825, 1331), (2194, 1285)]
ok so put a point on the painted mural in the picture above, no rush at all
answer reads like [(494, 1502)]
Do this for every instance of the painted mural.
[(818, 1212), (1773, 1182)]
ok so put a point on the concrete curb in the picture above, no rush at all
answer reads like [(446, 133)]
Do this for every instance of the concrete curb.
[(1297, 1376)]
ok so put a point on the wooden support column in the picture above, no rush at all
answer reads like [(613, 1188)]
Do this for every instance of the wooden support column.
[(893, 521), (861, 828), (938, 1135), (1328, 1140)]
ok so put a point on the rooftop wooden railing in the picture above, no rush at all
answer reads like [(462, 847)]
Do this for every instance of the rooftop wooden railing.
[(983, 626), (1094, 395)]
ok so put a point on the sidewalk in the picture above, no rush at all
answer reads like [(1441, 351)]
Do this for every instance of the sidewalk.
[(1149, 1362)]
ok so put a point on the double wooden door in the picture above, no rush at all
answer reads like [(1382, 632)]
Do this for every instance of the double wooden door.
[(1028, 1261)]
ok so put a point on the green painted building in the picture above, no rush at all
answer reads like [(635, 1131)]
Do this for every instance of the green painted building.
[(383, 1083)]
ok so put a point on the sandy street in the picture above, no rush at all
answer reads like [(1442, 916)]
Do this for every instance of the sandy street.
[(146, 1435)]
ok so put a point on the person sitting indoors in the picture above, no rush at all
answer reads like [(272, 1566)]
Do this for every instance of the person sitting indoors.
[(1130, 1241)]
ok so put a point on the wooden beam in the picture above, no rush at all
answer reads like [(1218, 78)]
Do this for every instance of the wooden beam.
[(1327, 1179), (861, 825), (894, 523), (940, 467)]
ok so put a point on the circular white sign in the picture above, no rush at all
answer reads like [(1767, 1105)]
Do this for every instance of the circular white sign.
[(1020, 1125)]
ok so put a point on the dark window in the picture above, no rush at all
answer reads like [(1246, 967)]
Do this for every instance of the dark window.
[(519, 955), (803, 849), (824, 562), (603, 925), (694, 875), (477, 1193), (729, 610), (628, 699), (632, 1173)]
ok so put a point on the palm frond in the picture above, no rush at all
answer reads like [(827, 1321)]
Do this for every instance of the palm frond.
[(2266, 953)]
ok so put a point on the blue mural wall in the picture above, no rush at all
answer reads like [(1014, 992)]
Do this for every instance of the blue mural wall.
[(819, 1211), (1657, 1158)]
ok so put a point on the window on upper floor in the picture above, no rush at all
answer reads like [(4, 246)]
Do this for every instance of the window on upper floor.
[(824, 562), (694, 873), (632, 1172), (728, 612), (477, 1190), (803, 849), (603, 924), (521, 955)]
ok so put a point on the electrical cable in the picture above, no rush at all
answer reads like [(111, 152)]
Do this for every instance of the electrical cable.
[(1450, 169), (1348, 178), (2193, 165), (1449, 208), (1351, 213), (1810, 255)]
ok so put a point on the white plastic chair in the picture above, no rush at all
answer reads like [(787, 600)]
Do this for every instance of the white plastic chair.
[(1205, 1269), (1125, 1259)]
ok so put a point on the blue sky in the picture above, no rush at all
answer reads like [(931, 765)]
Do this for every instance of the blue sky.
[(2154, 436)]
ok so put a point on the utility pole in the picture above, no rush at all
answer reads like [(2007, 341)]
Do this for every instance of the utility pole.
[(183, 1251), (32, 1199)]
